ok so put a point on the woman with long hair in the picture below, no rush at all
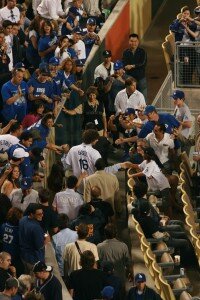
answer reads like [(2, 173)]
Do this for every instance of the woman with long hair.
[(35, 115), (47, 42), (11, 183)]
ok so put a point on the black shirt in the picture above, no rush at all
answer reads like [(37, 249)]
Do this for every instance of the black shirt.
[(4, 275), (104, 207), (137, 58), (149, 226), (51, 288), (49, 220), (87, 284), (93, 114)]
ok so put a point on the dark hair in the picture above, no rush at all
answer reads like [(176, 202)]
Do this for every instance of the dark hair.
[(44, 195), (14, 127), (140, 189), (100, 164), (55, 178), (14, 181), (82, 231), (35, 24), (37, 104), (14, 215), (89, 136), (129, 81), (161, 126), (63, 37), (72, 182), (87, 260), (184, 8), (26, 135), (90, 125), (84, 209), (11, 283), (48, 23), (63, 221), (92, 90), (34, 295), (150, 154), (46, 118), (5, 206), (31, 209), (6, 23), (110, 231), (134, 35)]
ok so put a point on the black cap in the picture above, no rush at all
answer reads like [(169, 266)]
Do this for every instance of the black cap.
[(107, 53)]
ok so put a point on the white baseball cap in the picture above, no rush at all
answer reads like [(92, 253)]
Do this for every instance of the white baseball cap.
[(20, 153)]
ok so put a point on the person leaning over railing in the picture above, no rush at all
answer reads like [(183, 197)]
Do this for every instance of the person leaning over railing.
[(180, 28)]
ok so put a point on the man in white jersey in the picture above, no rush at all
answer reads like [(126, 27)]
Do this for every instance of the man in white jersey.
[(7, 140), (82, 158)]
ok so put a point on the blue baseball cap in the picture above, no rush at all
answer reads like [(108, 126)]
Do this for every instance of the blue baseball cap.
[(177, 94), (140, 277), (149, 109), (129, 111), (91, 21), (54, 61), (78, 30), (19, 65), (108, 292), (118, 65), (26, 183)]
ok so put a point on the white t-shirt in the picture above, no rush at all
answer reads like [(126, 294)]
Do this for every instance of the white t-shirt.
[(156, 180), (82, 158), (101, 71), (9, 42), (6, 141), (161, 148), (12, 15), (68, 202), (16, 198), (50, 9), (122, 101), (62, 56), (79, 47), (71, 255), (183, 114)]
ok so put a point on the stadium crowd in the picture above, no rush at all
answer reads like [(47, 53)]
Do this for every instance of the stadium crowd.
[(43, 49)]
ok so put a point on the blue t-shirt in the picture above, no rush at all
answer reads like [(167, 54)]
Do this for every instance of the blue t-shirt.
[(168, 120), (18, 109), (46, 88), (44, 43), (44, 132), (31, 240), (25, 166), (57, 84), (66, 82), (9, 234)]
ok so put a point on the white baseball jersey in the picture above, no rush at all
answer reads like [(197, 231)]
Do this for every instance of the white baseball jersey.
[(82, 158), (156, 180), (6, 141)]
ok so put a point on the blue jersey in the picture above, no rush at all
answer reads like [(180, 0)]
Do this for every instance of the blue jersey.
[(44, 43), (66, 82), (31, 240), (168, 120), (25, 166), (9, 234), (57, 84), (18, 109), (46, 88), (44, 132)]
